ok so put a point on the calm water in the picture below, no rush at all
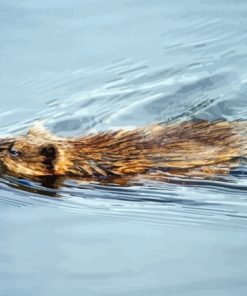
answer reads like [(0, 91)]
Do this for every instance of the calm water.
[(83, 66)]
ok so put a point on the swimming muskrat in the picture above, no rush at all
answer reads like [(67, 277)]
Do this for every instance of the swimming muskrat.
[(192, 149)]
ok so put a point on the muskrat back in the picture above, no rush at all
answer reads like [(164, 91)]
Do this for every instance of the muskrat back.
[(180, 148)]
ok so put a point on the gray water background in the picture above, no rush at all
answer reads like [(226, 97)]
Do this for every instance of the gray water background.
[(86, 66)]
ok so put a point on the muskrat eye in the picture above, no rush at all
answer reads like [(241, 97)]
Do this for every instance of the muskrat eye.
[(13, 152)]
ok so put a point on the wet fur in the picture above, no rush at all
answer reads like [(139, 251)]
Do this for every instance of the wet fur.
[(194, 149)]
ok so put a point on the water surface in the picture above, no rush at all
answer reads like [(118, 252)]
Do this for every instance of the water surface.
[(87, 66)]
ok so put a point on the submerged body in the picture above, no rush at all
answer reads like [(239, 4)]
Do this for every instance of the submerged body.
[(193, 149)]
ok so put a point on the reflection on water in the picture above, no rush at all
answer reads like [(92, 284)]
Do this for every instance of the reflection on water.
[(85, 66)]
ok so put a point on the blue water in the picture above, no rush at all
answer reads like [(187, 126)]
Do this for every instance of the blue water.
[(86, 66)]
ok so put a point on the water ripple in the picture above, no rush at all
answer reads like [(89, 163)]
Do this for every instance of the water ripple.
[(196, 203)]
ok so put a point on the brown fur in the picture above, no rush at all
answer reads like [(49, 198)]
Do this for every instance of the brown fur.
[(194, 149)]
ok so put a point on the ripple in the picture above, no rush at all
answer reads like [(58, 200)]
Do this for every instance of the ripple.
[(163, 204)]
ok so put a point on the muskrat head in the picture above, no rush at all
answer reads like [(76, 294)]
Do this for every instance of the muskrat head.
[(34, 154)]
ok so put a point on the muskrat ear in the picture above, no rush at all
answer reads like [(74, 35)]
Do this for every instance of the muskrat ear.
[(49, 151)]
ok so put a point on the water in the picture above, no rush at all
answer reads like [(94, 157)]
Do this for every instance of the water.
[(83, 66)]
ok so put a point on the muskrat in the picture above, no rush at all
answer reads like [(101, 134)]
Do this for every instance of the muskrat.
[(198, 149)]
